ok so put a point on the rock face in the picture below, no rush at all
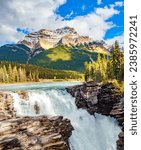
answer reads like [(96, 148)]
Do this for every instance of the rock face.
[(6, 106), (35, 133), (32, 133), (68, 36), (103, 99), (23, 95), (86, 95), (120, 141)]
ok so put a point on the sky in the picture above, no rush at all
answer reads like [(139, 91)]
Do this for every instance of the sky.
[(99, 19)]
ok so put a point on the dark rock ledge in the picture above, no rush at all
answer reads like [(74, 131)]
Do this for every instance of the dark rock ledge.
[(31, 133), (103, 99)]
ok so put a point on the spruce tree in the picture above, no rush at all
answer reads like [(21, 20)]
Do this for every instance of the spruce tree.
[(1, 75), (15, 74), (117, 61), (10, 73), (6, 79)]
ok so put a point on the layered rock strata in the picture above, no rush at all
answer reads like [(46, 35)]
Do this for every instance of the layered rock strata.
[(32, 133)]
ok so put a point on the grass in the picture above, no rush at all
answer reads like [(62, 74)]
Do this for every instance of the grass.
[(119, 86), (63, 58), (60, 53)]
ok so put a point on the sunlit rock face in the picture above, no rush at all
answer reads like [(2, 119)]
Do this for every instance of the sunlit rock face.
[(67, 36), (35, 133)]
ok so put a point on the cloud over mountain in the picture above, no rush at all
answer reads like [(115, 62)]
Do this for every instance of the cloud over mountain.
[(36, 15)]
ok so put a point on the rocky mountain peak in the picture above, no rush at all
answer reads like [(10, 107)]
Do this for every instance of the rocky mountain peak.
[(68, 36), (66, 30)]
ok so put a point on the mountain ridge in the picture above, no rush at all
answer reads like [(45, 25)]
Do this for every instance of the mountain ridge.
[(47, 39), (61, 49)]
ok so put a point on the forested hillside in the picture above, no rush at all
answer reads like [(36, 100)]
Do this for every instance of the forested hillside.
[(106, 69), (13, 72)]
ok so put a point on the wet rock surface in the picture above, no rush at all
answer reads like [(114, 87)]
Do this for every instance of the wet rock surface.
[(85, 95), (31, 133), (120, 141), (6, 106), (103, 99), (35, 133), (23, 95)]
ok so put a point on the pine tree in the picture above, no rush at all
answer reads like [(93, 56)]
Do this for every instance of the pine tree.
[(15, 74), (30, 76), (5, 74), (1, 75), (33, 76), (117, 61), (10, 73), (37, 76), (110, 73), (22, 75), (104, 62)]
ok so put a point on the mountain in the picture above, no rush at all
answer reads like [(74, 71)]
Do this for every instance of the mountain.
[(62, 49), (47, 39), (14, 52)]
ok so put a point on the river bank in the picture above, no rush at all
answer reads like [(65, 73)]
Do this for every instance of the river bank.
[(43, 81)]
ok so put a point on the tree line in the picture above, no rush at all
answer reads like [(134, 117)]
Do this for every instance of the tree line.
[(15, 72), (106, 68), (9, 74)]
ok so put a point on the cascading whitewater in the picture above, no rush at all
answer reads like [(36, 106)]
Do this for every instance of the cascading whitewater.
[(90, 133)]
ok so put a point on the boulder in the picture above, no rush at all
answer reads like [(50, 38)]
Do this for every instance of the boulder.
[(35, 133), (23, 95)]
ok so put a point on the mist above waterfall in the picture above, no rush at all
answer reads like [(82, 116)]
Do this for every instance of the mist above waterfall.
[(90, 133)]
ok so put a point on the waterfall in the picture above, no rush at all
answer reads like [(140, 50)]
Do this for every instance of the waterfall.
[(90, 133)]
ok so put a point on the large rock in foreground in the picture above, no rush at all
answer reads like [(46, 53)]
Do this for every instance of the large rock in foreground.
[(35, 133), (31, 133)]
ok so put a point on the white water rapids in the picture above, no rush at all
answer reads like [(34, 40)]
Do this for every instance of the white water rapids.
[(90, 133)]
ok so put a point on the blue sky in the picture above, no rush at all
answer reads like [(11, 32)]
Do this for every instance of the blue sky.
[(99, 19), (83, 7)]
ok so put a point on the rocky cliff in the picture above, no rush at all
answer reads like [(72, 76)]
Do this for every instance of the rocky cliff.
[(31, 133), (68, 36), (103, 99)]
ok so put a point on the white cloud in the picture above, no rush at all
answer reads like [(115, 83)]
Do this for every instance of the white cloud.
[(91, 25), (41, 14), (83, 7), (69, 15), (119, 3), (99, 2), (28, 13), (120, 39), (106, 12)]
